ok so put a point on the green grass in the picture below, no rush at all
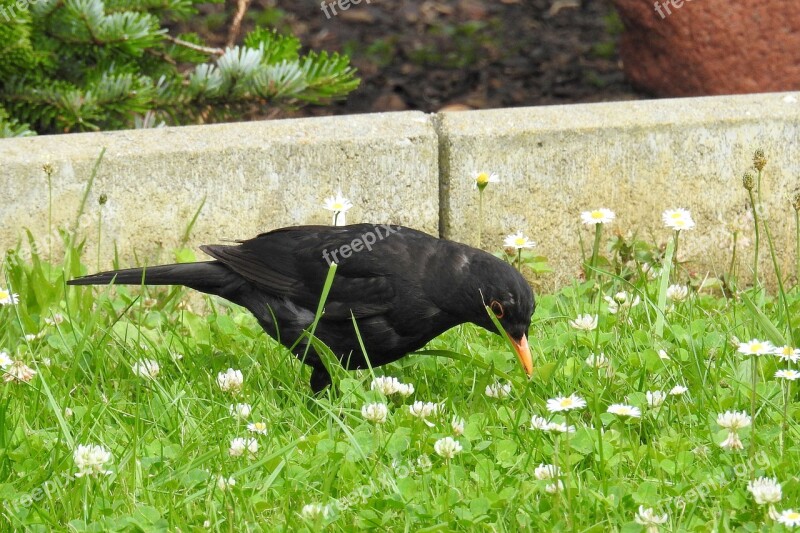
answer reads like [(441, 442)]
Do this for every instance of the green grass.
[(169, 437)]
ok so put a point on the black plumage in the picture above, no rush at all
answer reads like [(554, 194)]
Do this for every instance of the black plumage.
[(402, 286)]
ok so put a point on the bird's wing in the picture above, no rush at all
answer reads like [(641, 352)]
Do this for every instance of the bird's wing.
[(291, 263)]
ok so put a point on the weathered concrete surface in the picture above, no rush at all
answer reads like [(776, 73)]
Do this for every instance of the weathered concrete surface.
[(254, 176), (636, 158)]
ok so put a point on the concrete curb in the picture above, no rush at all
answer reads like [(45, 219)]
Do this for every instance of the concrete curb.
[(637, 158)]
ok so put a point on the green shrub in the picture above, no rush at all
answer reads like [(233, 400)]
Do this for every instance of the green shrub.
[(88, 65)]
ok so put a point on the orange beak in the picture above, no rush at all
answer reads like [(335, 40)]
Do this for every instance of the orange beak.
[(523, 354)]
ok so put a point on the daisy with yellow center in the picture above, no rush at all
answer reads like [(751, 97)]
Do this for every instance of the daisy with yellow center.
[(257, 427), (7, 297), (485, 178), (598, 216), (565, 403), (756, 347), (678, 219), (789, 518), (624, 410), (339, 205), (791, 375), (518, 241), (787, 353)]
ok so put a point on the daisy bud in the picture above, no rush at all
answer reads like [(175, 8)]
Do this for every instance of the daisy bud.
[(759, 159), (748, 180), (796, 201)]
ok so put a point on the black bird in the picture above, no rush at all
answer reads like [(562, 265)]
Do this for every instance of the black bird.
[(402, 286)]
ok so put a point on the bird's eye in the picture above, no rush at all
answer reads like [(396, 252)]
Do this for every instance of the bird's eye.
[(497, 309)]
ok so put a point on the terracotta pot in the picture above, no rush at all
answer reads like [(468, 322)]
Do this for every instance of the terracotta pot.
[(703, 47)]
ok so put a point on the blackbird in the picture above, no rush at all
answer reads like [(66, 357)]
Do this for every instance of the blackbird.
[(400, 287)]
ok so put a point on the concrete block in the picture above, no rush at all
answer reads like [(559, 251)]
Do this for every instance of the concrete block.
[(253, 176), (636, 158)]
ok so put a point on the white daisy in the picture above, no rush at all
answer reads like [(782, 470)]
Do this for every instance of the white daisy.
[(787, 353), (678, 219), (339, 205), (257, 427), (789, 374), (598, 216), (447, 447), (518, 241), (756, 347), (5, 360), (90, 460), (584, 322), (624, 410), (789, 518), (375, 412), (482, 179), (765, 490), (565, 403), (7, 297)]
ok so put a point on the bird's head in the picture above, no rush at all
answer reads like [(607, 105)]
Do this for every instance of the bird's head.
[(502, 289)]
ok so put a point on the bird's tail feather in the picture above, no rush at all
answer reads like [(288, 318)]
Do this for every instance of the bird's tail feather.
[(206, 276)]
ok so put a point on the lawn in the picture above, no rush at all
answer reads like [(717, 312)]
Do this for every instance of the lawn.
[(658, 402)]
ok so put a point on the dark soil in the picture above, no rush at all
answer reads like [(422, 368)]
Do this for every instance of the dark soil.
[(452, 54)]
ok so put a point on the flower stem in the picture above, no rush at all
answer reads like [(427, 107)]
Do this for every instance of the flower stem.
[(519, 259), (752, 448), (755, 224), (480, 217), (598, 231), (797, 248), (784, 423), (732, 268), (675, 256), (567, 471)]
